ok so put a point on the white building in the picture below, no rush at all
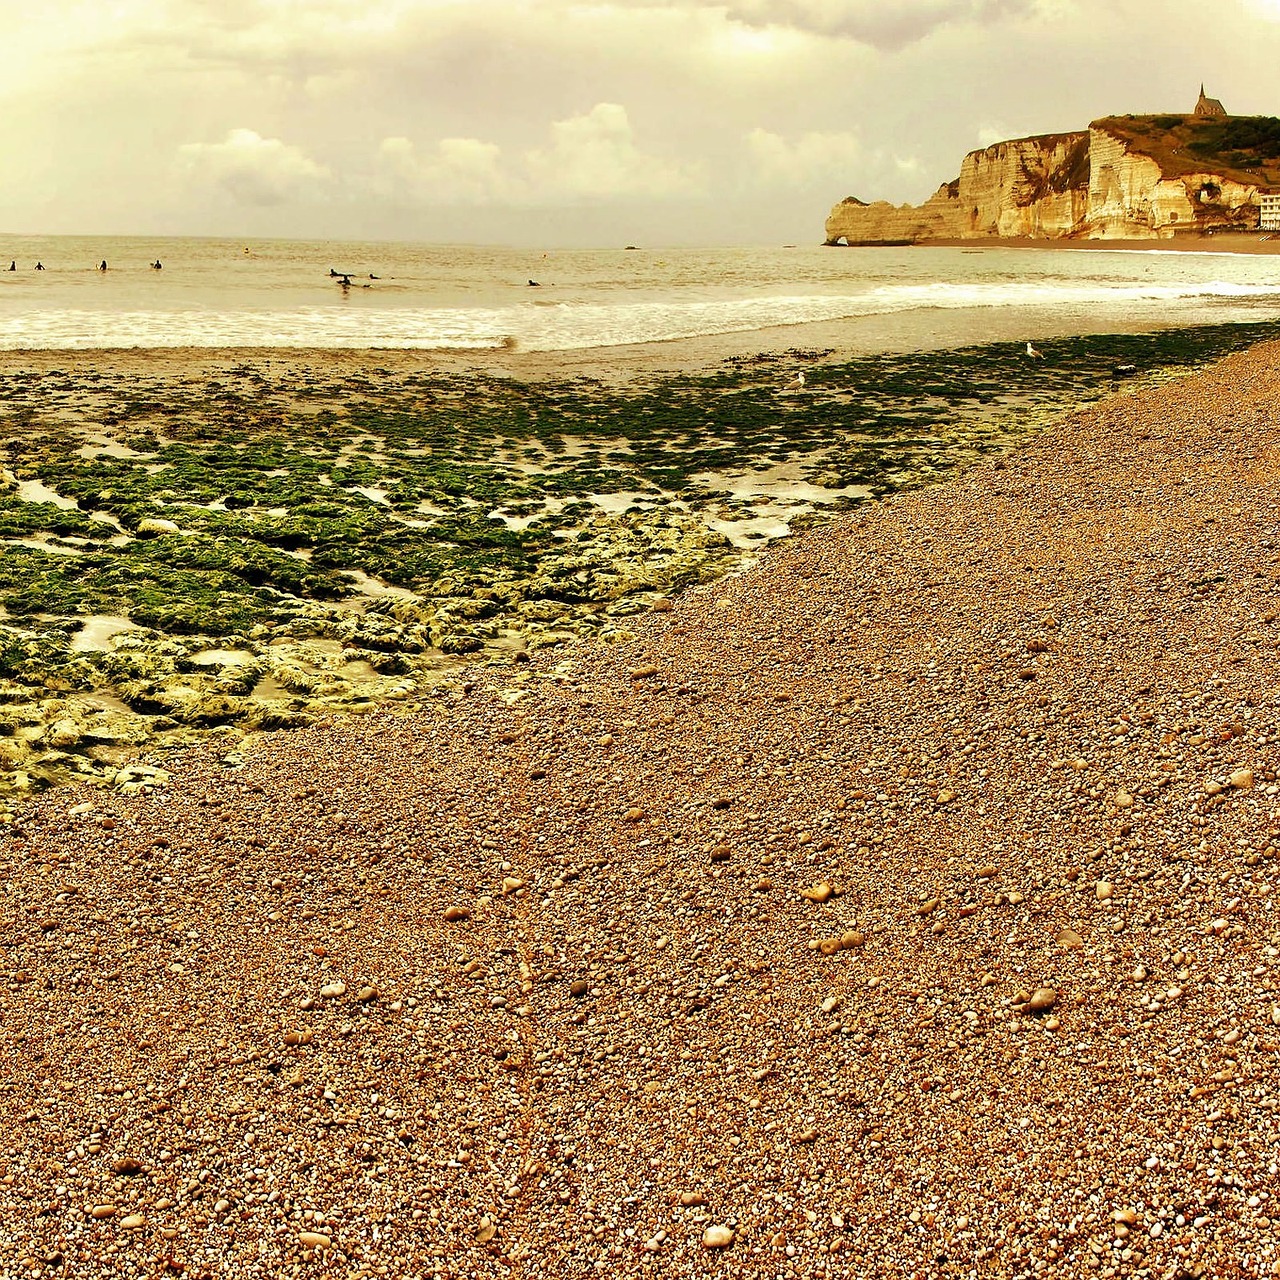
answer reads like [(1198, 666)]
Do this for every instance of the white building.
[(1269, 210)]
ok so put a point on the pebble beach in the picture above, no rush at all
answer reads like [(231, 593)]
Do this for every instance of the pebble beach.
[(900, 907)]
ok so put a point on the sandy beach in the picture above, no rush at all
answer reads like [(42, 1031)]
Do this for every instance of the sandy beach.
[(901, 907)]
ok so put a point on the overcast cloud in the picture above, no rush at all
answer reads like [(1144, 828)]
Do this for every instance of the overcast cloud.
[(549, 122)]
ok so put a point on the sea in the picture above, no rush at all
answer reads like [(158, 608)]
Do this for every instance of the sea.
[(380, 295)]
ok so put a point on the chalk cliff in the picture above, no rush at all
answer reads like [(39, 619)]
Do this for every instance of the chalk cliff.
[(1122, 179)]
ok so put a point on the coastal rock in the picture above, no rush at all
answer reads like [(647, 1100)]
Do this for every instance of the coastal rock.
[(1123, 178)]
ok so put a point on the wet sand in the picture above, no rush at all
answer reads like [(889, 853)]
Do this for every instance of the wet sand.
[(902, 907)]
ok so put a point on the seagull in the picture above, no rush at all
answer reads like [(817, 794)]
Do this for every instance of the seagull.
[(1033, 353), (796, 383)]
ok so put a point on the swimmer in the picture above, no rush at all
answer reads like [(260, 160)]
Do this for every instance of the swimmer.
[(103, 265)]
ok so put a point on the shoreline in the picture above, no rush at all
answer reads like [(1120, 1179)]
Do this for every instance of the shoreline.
[(908, 898), (217, 543), (1260, 242)]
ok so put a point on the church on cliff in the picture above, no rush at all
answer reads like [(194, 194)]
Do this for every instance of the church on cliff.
[(1209, 106)]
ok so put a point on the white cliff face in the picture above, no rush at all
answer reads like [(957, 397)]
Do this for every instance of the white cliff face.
[(1075, 185), (1130, 198)]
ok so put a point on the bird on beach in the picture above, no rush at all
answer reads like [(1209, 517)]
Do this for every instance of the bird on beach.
[(796, 383), (1033, 353)]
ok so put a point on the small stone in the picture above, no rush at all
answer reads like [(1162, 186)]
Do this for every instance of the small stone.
[(1242, 779), (830, 1003), (314, 1240), (294, 1038), (367, 994), (1124, 800), (852, 940), (986, 873), (579, 987), (717, 1237), (829, 946), (1041, 999), (103, 1211), (1069, 939), (133, 1222), (333, 990), (127, 1165), (488, 1229), (1104, 890), (818, 893), (926, 908), (945, 797), (690, 1198), (643, 673), (511, 884), (456, 913), (633, 814)]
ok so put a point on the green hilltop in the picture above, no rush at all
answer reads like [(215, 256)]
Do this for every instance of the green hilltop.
[(1245, 148)]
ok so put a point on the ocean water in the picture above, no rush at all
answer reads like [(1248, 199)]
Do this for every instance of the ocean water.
[(280, 293)]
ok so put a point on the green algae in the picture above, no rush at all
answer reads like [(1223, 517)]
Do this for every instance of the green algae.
[(267, 513)]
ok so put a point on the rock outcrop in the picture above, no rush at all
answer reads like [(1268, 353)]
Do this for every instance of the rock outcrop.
[(1100, 184)]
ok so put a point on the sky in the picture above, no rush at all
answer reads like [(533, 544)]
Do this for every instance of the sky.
[(554, 123)]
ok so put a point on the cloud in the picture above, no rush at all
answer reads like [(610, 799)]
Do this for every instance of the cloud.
[(456, 171), (884, 24), (809, 159), (254, 170), (590, 158), (595, 157)]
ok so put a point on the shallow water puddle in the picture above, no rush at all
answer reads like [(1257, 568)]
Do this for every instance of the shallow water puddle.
[(38, 491), (98, 632)]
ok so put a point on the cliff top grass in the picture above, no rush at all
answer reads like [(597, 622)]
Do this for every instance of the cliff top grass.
[(1244, 148)]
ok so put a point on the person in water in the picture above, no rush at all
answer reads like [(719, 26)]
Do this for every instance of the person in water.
[(13, 266), (155, 266), (103, 265), (39, 266)]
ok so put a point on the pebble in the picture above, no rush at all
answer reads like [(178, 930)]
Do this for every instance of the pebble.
[(314, 1240), (333, 990), (1069, 939), (1242, 779), (133, 1222), (103, 1211), (1041, 999), (1104, 890), (456, 913), (579, 987), (818, 893), (690, 1198), (717, 1237)]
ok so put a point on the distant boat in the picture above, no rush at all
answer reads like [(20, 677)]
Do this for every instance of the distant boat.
[(632, 246)]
